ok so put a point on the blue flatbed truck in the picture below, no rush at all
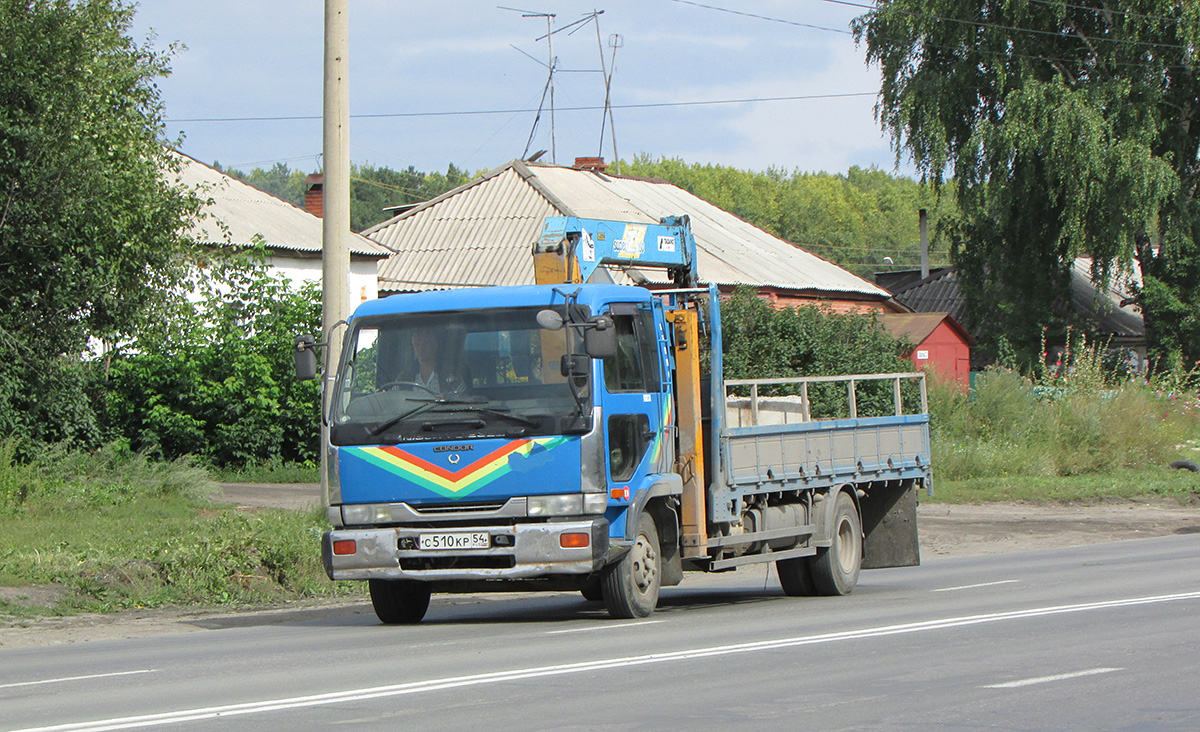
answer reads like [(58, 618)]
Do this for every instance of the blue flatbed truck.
[(579, 436)]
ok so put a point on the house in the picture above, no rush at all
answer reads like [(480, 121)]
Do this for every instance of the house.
[(482, 233), (940, 344), (1108, 312), (240, 215)]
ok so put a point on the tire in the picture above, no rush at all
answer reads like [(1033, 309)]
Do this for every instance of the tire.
[(796, 577), (630, 587), (835, 569), (399, 602)]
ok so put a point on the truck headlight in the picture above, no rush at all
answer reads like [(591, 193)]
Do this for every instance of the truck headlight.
[(570, 504), (595, 503), (366, 513)]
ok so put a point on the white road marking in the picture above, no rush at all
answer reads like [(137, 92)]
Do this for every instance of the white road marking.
[(457, 682), (75, 678), (1055, 677), (971, 587), (606, 626)]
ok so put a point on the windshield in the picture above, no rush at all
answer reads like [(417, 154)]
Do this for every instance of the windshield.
[(449, 375)]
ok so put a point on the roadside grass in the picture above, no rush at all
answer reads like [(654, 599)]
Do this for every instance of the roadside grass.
[(1063, 440), (1125, 484), (112, 530), (268, 472)]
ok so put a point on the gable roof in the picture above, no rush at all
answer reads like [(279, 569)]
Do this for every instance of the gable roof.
[(937, 293), (482, 233), (240, 214), (1109, 310), (919, 326)]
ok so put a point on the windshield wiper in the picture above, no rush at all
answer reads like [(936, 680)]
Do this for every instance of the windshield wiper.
[(426, 404), (494, 412)]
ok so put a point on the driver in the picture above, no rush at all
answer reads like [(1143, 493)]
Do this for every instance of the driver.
[(430, 371)]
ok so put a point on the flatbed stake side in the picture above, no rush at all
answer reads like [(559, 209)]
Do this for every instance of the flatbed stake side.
[(575, 435)]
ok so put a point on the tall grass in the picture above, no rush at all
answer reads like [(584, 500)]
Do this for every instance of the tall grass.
[(1064, 423), (61, 479), (113, 529)]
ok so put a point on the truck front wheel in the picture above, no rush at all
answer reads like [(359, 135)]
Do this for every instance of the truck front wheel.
[(630, 587), (399, 602), (795, 575), (835, 569)]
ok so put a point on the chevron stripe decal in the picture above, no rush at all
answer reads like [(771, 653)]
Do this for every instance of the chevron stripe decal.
[(457, 483)]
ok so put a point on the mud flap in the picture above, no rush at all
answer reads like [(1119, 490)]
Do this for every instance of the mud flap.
[(889, 520)]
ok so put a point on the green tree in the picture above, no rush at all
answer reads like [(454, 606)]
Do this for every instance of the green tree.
[(1069, 128), (372, 188), (764, 342), (279, 180), (90, 220), (215, 377)]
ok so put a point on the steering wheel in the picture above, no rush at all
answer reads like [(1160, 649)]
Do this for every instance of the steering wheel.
[(394, 384)]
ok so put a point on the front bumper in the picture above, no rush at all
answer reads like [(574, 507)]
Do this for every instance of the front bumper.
[(533, 552)]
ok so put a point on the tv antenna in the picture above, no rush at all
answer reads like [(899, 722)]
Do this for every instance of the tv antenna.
[(615, 41), (548, 90), (551, 66)]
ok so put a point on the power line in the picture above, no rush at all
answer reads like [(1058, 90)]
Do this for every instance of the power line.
[(765, 17), (975, 24), (478, 112), (999, 27)]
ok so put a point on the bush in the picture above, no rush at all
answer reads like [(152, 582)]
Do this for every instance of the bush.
[(215, 379), (762, 342)]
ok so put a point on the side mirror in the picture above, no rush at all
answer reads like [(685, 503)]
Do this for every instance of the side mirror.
[(550, 319), (574, 366), (600, 338), (306, 357)]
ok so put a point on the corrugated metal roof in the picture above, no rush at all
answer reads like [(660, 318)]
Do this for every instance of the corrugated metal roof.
[(482, 233), (239, 213), (938, 292), (1105, 308)]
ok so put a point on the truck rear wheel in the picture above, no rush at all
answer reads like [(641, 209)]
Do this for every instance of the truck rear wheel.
[(630, 587), (399, 602), (835, 569)]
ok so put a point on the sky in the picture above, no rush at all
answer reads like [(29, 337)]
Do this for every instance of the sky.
[(460, 82)]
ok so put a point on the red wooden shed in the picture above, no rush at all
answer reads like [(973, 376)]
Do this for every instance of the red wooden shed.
[(941, 344)]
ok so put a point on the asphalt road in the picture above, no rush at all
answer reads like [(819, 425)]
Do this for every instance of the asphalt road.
[(1098, 637)]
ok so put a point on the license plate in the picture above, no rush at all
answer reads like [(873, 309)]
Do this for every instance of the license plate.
[(472, 540)]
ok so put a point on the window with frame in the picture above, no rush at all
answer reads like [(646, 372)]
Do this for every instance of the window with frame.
[(634, 367)]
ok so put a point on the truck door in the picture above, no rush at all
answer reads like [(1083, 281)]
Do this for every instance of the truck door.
[(634, 404)]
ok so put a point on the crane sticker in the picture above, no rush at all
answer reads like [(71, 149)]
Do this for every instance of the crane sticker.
[(587, 247), (632, 243)]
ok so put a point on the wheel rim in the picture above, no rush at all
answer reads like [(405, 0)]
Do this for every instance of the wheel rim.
[(645, 565), (846, 558)]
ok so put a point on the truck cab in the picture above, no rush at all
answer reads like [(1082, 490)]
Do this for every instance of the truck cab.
[(502, 453)]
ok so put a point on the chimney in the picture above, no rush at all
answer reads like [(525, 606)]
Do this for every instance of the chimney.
[(596, 165), (314, 196)]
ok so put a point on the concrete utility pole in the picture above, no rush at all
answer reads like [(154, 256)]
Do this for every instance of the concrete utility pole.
[(335, 232)]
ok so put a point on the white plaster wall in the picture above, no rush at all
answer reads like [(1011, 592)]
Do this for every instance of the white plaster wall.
[(363, 279)]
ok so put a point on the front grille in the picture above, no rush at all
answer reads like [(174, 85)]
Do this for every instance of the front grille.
[(462, 562), (458, 507)]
